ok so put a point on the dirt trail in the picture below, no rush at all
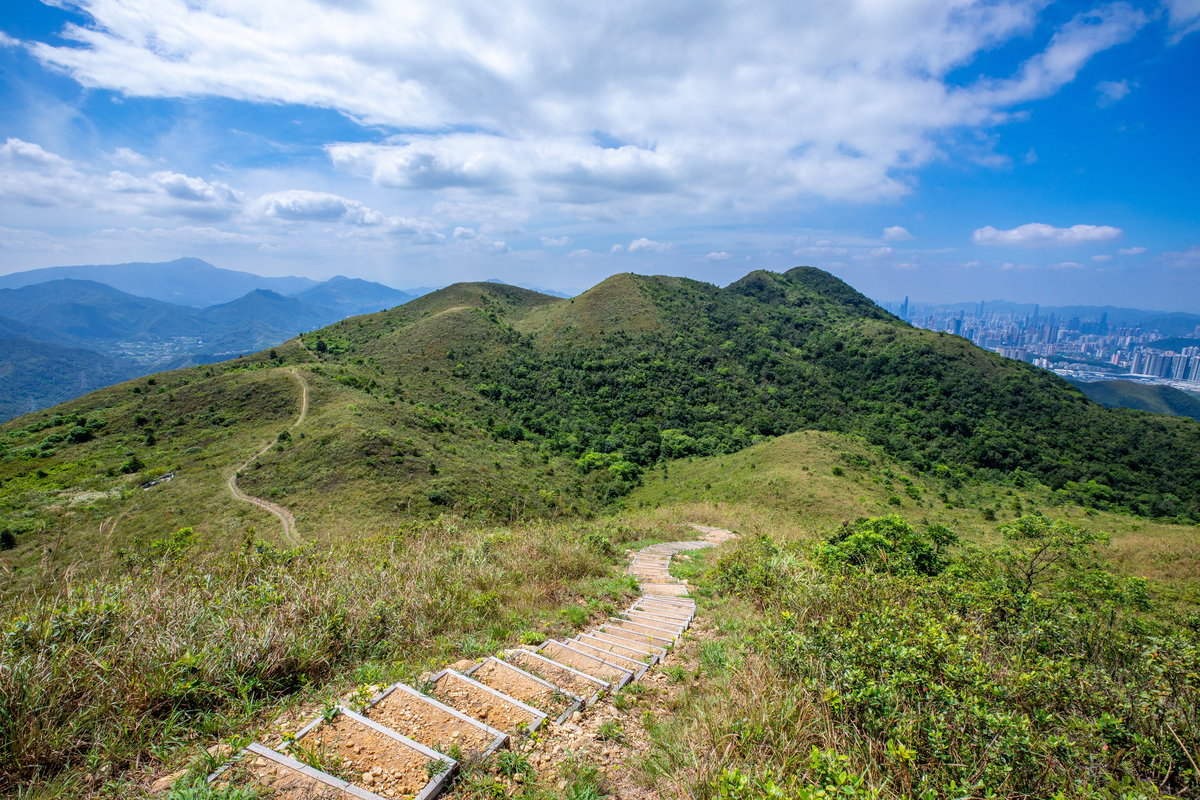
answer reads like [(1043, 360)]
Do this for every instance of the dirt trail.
[(284, 516)]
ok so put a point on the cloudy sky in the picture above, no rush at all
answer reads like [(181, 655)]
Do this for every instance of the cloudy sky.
[(944, 149)]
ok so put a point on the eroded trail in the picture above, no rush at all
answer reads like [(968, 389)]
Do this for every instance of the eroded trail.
[(551, 704), (285, 517)]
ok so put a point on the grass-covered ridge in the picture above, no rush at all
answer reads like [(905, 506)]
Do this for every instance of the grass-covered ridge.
[(643, 369)]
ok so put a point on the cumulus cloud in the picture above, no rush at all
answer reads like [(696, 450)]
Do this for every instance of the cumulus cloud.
[(1037, 234), (585, 105), (897, 234), (644, 245), (131, 157), (562, 241), (874, 252), (32, 175), (721, 256), (479, 241), (1111, 92), (1131, 251)]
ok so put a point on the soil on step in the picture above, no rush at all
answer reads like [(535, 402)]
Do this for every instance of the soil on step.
[(563, 678), (507, 680), (584, 663), (428, 724), (280, 782), (368, 758), (483, 705)]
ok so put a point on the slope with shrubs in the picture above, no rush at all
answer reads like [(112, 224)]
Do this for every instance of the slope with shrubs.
[(884, 660)]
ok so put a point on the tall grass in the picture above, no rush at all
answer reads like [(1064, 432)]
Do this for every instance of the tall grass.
[(103, 676)]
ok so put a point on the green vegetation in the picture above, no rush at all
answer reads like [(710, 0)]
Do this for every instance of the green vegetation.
[(1127, 394), (1029, 669), (641, 370), (942, 588), (106, 674)]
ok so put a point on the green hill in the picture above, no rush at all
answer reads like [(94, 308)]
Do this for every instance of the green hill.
[(1154, 398), (495, 402)]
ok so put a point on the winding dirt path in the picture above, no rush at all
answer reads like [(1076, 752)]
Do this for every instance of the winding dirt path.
[(284, 516)]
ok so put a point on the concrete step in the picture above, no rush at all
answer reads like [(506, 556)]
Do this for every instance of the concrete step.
[(575, 681), (637, 650), (486, 704), (591, 663), (675, 626), (433, 723), (636, 667), (658, 613), (554, 702), (663, 638), (635, 638)]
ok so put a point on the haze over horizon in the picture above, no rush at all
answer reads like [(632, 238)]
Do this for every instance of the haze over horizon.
[(948, 151)]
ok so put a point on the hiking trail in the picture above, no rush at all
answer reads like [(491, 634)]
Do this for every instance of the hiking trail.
[(282, 513), (546, 702)]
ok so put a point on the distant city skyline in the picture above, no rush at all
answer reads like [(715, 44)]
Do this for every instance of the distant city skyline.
[(948, 150)]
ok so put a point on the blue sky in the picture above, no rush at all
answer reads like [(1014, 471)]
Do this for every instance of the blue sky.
[(942, 149)]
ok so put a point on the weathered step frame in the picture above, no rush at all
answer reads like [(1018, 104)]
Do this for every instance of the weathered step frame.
[(628, 675), (603, 685), (541, 715), (499, 738), (575, 706)]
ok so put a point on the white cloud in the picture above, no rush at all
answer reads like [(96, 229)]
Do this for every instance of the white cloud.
[(897, 234), (1131, 251), (1186, 258), (875, 252), (1066, 265), (1037, 234), (1184, 18), (8, 41), (479, 241), (1111, 92), (820, 250), (644, 245), (1031, 157), (131, 157), (710, 106), (34, 176), (584, 253), (562, 241), (1102, 258), (721, 256)]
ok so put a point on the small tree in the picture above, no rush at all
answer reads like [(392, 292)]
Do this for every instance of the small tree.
[(1039, 550), (8, 540)]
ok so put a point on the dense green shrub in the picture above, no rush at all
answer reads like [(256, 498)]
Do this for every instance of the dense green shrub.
[(1025, 671)]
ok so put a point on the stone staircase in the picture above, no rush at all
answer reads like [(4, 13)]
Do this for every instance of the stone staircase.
[(408, 742)]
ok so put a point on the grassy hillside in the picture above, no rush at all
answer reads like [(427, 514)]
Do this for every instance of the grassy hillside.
[(643, 368), (447, 483), (1128, 394), (493, 402)]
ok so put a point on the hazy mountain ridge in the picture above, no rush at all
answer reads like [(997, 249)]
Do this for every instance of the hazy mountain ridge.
[(184, 281), (133, 335)]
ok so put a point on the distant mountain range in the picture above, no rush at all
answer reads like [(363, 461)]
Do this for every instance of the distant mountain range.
[(65, 332), (184, 281)]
